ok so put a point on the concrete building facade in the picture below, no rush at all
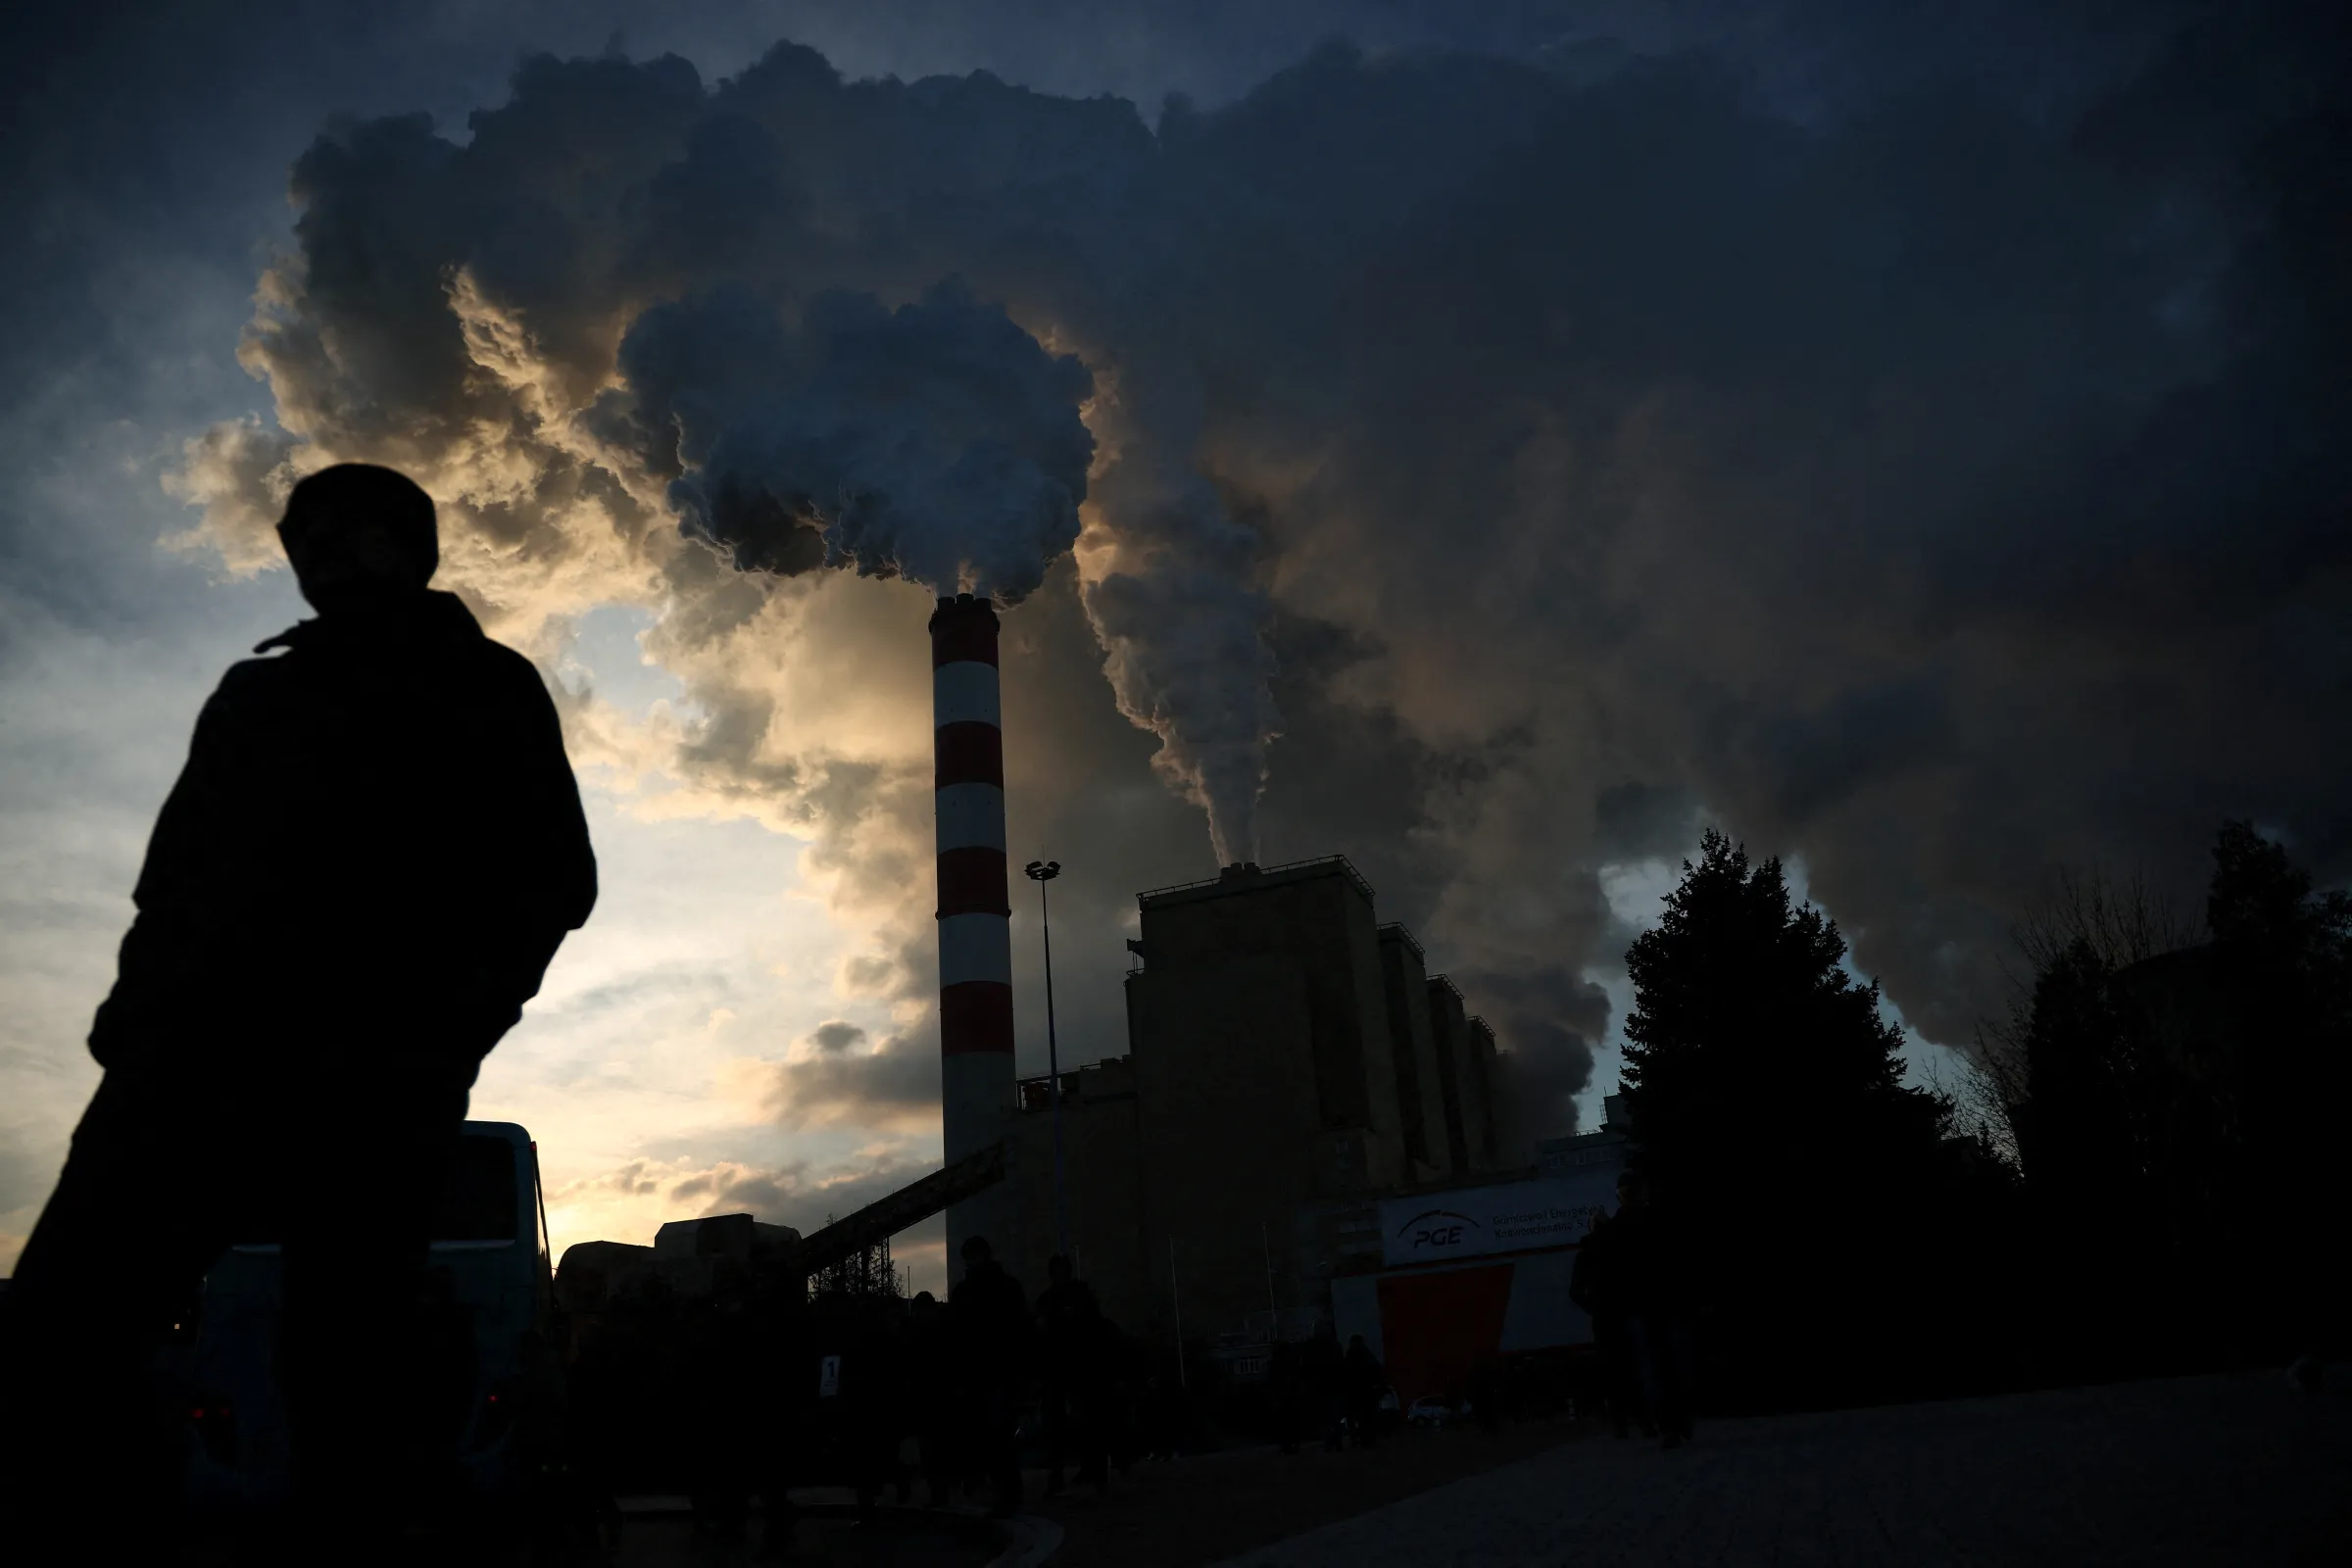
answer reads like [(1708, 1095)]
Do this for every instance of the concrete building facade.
[(1101, 1137), (1420, 1097), (1449, 1034)]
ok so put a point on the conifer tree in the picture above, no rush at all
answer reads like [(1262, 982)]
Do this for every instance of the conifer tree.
[(1750, 1047), (1769, 1107)]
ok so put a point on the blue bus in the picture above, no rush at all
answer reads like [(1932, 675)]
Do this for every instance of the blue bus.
[(489, 1274)]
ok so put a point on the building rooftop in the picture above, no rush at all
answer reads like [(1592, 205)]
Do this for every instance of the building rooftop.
[(1111, 1078), (1251, 877)]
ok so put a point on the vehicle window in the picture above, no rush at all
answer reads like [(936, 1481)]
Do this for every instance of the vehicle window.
[(480, 1203)]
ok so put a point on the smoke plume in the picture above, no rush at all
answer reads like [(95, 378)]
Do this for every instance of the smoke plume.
[(937, 442), (1915, 447)]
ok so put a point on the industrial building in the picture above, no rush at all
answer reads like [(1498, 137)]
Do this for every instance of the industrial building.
[(1306, 1127), (1291, 1064)]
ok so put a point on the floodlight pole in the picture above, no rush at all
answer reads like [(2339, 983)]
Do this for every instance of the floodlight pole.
[(1042, 872)]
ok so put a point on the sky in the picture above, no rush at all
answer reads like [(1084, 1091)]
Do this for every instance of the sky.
[(1491, 441)]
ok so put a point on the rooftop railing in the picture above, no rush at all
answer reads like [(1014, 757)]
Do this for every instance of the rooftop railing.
[(1339, 862)]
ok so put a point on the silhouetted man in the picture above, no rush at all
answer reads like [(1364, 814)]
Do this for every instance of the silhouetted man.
[(931, 1395), (1597, 1285), (1652, 1260), (1325, 1367), (718, 1373), (360, 877), (1069, 1325), (1365, 1383), (989, 1322)]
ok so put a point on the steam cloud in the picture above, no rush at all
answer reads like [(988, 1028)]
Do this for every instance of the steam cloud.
[(1922, 454)]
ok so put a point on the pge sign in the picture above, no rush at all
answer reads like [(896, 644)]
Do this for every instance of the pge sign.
[(1437, 1231), (1512, 1217)]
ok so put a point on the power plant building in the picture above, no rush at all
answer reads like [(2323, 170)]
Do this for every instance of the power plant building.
[(1289, 1065)]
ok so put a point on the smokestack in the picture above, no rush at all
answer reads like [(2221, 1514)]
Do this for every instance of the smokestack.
[(975, 938)]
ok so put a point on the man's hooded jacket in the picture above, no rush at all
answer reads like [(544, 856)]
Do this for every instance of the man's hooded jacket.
[(377, 846)]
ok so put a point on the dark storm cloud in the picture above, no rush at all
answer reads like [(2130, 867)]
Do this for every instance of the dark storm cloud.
[(841, 1082), (937, 442), (1920, 451), (1635, 822), (834, 1038)]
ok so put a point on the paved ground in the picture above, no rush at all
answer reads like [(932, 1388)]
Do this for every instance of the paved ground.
[(659, 1533), (895, 1540), (1188, 1512), (2237, 1470)]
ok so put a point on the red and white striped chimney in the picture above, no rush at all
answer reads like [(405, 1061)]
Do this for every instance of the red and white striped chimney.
[(975, 937)]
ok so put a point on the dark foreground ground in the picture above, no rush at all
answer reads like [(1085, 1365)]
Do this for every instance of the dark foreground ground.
[(1184, 1512), (663, 1537), (2211, 1470), (2219, 1470)]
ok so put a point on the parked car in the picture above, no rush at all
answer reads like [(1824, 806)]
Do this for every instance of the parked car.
[(1432, 1410)]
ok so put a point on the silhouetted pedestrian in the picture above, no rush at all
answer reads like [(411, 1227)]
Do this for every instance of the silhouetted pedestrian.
[(439, 1390), (1289, 1402), (784, 1386), (932, 1397), (360, 877), (601, 1400), (1325, 1374), (1655, 1270), (724, 1413), (989, 1329), (1363, 1382), (1485, 1396), (1070, 1358), (1126, 1380), (1597, 1284), (860, 1399)]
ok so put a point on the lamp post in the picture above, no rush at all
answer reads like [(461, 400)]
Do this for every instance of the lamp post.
[(1042, 872)]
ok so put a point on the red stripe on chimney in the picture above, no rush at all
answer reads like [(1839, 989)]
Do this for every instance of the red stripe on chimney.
[(964, 632), (974, 1016), (968, 753), (972, 881)]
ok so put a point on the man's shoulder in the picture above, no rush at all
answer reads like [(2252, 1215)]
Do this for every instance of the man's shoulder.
[(513, 673), (511, 663), (254, 683)]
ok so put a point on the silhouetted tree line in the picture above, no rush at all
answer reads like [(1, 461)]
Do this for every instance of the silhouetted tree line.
[(2174, 1109), (2138, 1179)]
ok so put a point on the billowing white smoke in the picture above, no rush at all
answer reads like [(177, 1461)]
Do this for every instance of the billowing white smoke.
[(1168, 592), (937, 442)]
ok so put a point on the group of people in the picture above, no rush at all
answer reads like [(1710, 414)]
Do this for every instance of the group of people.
[(1318, 1391), (1064, 1346), (1634, 1277), (761, 1387)]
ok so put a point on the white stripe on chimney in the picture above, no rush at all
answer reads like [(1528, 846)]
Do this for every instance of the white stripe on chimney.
[(975, 947), (966, 692), (970, 817)]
